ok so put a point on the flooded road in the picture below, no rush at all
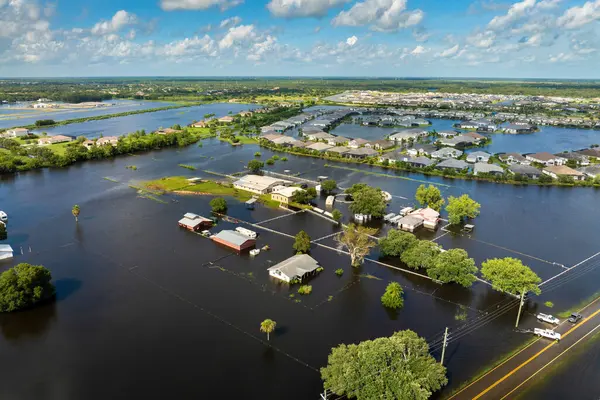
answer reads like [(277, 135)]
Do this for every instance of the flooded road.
[(142, 312)]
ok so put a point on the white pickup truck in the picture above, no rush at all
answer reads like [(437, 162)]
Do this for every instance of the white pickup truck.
[(548, 318), (547, 333)]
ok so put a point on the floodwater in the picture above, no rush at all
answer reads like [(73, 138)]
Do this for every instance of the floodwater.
[(11, 116), (150, 121), (142, 312)]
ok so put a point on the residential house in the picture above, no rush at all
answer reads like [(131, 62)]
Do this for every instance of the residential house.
[(592, 153), (338, 150), (486, 168), (591, 171), (17, 132), (409, 223), (446, 152), (228, 119), (478, 137), (419, 162), (447, 134), (284, 194), (525, 170), (234, 240), (167, 131), (517, 129), (458, 141), (319, 146), (546, 159), (194, 222), (54, 140), (258, 184), (295, 267), (380, 144), (478, 156), (408, 134), (110, 140), (514, 158), (580, 159), (429, 216), (337, 141), (452, 164), (201, 124), (422, 149), (362, 152), (557, 171), (356, 143), (316, 136)]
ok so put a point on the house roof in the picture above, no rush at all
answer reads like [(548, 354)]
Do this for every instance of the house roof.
[(338, 149), (362, 152), (563, 170), (232, 237), (484, 167), (592, 170), (297, 265), (479, 154), (410, 220), (543, 156), (319, 146), (452, 163), (515, 156), (446, 151), (338, 139), (259, 182), (321, 135), (287, 191), (524, 169), (359, 141)]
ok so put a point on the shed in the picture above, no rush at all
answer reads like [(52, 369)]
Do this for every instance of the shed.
[(330, 201), (410, 223), (296, 267), (194, 222), (234, 240)]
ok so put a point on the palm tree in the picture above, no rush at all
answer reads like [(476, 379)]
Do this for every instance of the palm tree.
[(268, 326), (76, 211)]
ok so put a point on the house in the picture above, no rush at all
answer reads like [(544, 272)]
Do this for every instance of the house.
[(319, 146), (228, 119), (54, 140), (363, 152), (110, 140), (579, 158), (17, 132), (166, 131), (285, 141), (296, 267), (546, 159), (419, 162), (258, 184), (337, 141), (380, 144), (338, 150), (234, 240), (271, 137), (284, 194), (356, 143), (557, 171), (422, 149), (409, 223), (458, 141), (525, 170), (195, 223), (486, 168), (456, 165), (246, 114), (594, 153), (478, 137), (591, 171), (478, 156), (446, 152), (514, 158), (429, 216), (447, 134), (480, 124), (319, 136), (517, 129), (407, 135), (200, 124)]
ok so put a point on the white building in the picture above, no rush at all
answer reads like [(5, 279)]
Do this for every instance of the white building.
[(17, 132), (258, 184), (296, 267)]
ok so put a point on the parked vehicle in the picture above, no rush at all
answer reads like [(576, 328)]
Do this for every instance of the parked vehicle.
[(246, 232), (206, 234), (575, 318), (548, 318), (547, 333)]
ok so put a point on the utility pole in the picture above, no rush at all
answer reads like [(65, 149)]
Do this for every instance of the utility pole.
[(324, 395), (444, 346), (520, 307)]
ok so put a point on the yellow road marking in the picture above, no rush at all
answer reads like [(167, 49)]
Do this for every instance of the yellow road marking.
[(550, 362), (499, 381), (507, 360)]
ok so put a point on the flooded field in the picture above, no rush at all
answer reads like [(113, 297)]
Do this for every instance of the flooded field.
[(146, 309)]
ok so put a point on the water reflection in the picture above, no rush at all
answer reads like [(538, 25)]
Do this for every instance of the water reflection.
[(28, 324)]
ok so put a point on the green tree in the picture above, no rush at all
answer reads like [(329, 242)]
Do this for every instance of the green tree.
[(218, 205), (396, 367), (255, 165), (329, 185), (545, 178), (3, 232), (396, 242), (23, 286), (430, 197), (461, 207), (392, 297), (268, 327), (302, 243), (510, 275), (420, 254), (337, 215), (368, 201), (357, 187), (76, 211), (304, 196), (453, 266), (357, 241)]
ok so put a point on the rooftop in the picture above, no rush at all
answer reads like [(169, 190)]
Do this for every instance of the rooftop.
[(297, 265), (563, 170), (232, 237)]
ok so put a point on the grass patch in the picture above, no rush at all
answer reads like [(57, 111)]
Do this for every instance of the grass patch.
[(305, 289), (549, 304), (190, 167), (240, 140), (58, 148), (579, 306), (168, 184), (339, 272)]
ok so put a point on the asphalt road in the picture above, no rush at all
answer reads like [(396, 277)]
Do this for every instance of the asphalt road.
[(514, 374)]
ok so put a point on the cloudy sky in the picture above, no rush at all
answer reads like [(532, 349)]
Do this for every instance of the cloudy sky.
[(402, 38)]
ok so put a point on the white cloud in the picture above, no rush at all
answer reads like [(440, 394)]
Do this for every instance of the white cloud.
[(237, 34), (302, 8), (381, 15), (190, 47), (576, 17), (482, 40), (351, 41), (120, 20), (452, 51), (562, 57), (515, 13), (419, 50), (420, 34), (229, 22), (259, 50), (171, 5)]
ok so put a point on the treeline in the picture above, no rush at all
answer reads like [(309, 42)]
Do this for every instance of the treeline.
[(19, 158)]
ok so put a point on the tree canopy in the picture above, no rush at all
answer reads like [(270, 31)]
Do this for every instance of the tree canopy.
[(510, 275), (23, 286), (396, 367), (453, 266), (302, 243), (420, 254), (329, 185), (218, 205), (337, 215), (255, 165), (368, 201), (461, 207), (396, 242), (356, 188), (268, 327), (392, 297), (304, 196), (356, 240), (430, 196)]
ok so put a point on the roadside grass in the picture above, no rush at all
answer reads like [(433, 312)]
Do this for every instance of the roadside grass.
[(168, 184), (578, 306)]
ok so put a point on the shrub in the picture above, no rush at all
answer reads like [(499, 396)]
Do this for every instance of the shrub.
[(320, 269), (284, 158), (257, 154), (392, 298), (24, 286), (218, 205), (305, 289), (339, 272), (270, 161), (549, 304)]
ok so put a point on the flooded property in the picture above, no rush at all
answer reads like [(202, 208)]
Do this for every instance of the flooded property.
[(146, 309)]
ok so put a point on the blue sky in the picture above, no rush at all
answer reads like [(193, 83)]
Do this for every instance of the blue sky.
[(402, 38)]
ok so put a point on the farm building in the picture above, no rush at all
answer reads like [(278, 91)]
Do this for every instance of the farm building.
[(296, 267), (284, 194), (234, 240), (258, 184), (195, 223), (410, 223)]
